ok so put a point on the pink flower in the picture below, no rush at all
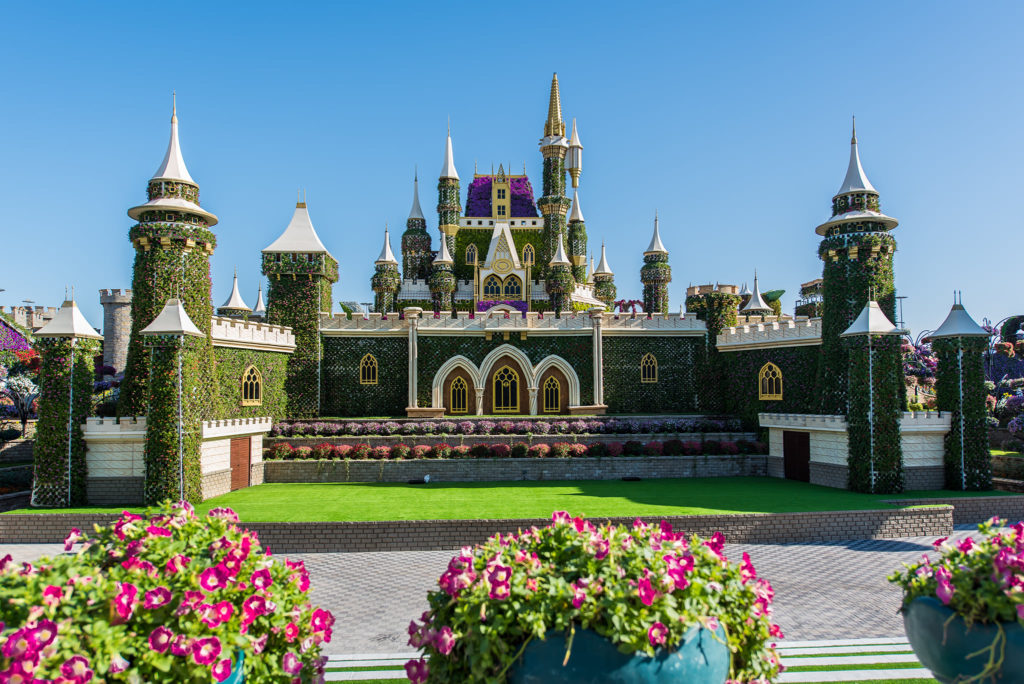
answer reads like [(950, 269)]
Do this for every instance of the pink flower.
[(747, 571), (76, 668), (261, 579), (224, 514), (20, 644), (214, 578), (939, 542), (259, 644), (532, 584), (657, 634), (177, 563), (157, 531), (73, 536), (44, 633), (498, 573), (224, 610), (125, 599), (966, 545), (222, 669), (776, 632), (291, 664), (444, 641), (157, 598), (558, 518), (578, 595), (233, 562), (181, 645), (322, 620), (944, 591), (52, 595), (160, 639), (6, 562), (291, 632), (646, 592), (499, 591), (254, 606), (206, 650), (417, 670), (118, 664)]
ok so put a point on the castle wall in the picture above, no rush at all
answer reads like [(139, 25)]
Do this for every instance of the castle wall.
[(676, 388)]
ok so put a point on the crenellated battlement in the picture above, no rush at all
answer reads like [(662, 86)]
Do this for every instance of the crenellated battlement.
[(233, 332), (771, 332)]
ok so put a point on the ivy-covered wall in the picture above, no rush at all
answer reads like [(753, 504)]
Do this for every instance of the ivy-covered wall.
[(341, 392), (976, 472), (231, 365), (676, 390), (799, 366), (877, 399), (718, 311)]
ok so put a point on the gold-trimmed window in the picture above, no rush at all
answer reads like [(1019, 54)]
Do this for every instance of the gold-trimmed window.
[(506, 390), (368, 370), (470, 254), (492, 286), (458, 396), (529, 256), (769, 382), (513, 287), (252, 387), (552, 395), (648, 368)]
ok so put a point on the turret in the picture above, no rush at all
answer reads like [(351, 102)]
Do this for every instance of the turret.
[(385, 280), (442, 280), (448, 207), (259, 312), (604, 280), (559, 283), (234, 306), (577, 234), (415, 240), (755, 305), (656, 274), (554, 204), (574, 161)]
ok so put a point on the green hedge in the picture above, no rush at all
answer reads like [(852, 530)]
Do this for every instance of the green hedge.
[(977, 470), (231, 365), (677, 388), (799, 367), (342, 393)]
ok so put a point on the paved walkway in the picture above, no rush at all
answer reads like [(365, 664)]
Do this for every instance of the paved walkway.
[(833, 590)]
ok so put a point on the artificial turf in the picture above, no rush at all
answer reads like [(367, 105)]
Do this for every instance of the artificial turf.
[(495, 500)]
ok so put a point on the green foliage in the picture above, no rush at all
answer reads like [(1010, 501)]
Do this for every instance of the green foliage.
[(740, 375), (875, 444), (977, 466), (718, 311), (296, 301), (342, 393), (231, 365), (676, 390), (655, 275)]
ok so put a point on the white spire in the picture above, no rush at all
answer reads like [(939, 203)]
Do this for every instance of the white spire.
[(235, 300), (744, 291), (756, 303), (260, 309), (574, 139), (856, 180), (416, 212), (602, 265), (386, 255), (656, 247), (560, 259), (577, 214), (173, 166), (448, 169), (299, 236), (590, 269), (443, 256)]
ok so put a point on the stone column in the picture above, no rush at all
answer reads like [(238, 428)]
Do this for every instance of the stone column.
[(412, 316), (479, 401), (597, 320), (533, 400)]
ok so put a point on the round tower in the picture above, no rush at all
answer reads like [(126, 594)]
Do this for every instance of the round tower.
[(604, 281), (385, 280), (656, 274), (442, 280), (117, 327), (448, 207), (553, 205), (415, 240)]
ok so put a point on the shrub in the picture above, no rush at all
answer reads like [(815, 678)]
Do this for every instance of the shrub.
[(461, 451), (712, 447), (578, 427), (523, 427), (304, 453), (560, 426), (282, 451), (9, 434), (428, 428), (692, 448), (541, 427), (390, 428), (560, 450), (480, 451), (321, 428), (342, 451), (633, 448), (361, 452), (441, 450), (597, 449), (1013, 445), (577, 450), (465, 427), (420, 451), (501, 450), (300, 429), (614, 449), (654, 448), (147, 595), (729, 448), (400, 451), (381, 453), (355, 429), (322, 451), (485, 427), (410, 429), (506, 427), (539, 451), (446, 427), (672, 447), (520, 450)]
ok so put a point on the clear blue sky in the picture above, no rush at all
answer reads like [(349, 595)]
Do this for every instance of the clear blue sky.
[(731, 119)]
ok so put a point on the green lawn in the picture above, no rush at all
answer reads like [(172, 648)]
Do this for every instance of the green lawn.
[(484, 500)]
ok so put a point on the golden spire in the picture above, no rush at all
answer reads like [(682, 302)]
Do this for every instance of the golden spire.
[(554, 126)]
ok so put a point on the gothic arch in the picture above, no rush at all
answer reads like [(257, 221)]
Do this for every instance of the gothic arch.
[(437, 386), (568, 371), (487, 365)]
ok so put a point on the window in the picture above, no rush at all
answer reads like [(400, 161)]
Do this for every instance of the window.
[(552, 395), (368, 370), (252, 387), (513, 287), (501, 210), (492, 286), (471, 254), (458, 401), (506, 391), (501, 193), (769, 382), (648, 368), (528, 255)]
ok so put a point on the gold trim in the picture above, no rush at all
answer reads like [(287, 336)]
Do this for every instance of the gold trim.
[(368, 368)]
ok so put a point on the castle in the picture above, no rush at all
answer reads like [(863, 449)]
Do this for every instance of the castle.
[(507, 316)]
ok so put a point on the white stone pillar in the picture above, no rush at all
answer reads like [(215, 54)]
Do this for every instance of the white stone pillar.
[(533, 400), (412, 316), (597, 320), (479, 401)]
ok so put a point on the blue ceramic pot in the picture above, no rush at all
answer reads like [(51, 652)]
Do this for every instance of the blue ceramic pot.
[(237, 675), (702, 658), (943, 648)]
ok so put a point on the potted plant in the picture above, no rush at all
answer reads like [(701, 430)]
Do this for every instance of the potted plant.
[(576, 602), (963, 612), (164, 597)]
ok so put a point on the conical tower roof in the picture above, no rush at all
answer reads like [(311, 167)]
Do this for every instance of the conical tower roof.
[(173, 166), (299, 235), (560, 258), (416, 212), (554, 126), (856, 180), (602, 265), (871, 321), (69, 322), (235, 301), (590, 269), (386, 255), (173, 320), (958, 324), (656, 247), (577, 213), (448, 168), (260, 309), (443, 256), (756, 303)]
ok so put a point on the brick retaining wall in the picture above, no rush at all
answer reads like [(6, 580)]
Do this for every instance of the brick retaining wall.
[(422, 535), (470, 440), (216, 483), (114, 491), (506, 469), (974, 509), (1011, 467), (17, 450)]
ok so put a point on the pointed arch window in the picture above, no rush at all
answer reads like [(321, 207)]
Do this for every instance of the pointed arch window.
[(648, 368), (552, 395), (529, 255), (513, 287), (506, 390), (492, 286), (769, 382), (458, 396), (252, 387), (368, 370), (470, 254)]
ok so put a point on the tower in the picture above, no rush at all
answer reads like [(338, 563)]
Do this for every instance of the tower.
[(300, 277), (415, 240), (577, 235), (117, 327), (259, 312), (442, 280), (559, 282), (656, 274), (857, 251), (604, 280), (554, 204), (385, 280), (235, 306), (755, 305), (448, 207), (173, 242)]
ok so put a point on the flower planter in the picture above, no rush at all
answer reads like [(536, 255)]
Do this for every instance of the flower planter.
[(237, 675), (944, 645), (702, 658)]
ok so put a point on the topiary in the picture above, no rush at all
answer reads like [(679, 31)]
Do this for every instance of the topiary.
[(597, 449), (712, 446), (539, 451), (322, 451), (361, 451), (672, 447)]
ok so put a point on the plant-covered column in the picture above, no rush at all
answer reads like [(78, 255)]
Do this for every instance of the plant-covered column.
[(442, 281), (385, 281), (553, 205), (65, 401), (577, 234), (416, 252), (448, 206), (656, 274), (604, 281), (718, 311)]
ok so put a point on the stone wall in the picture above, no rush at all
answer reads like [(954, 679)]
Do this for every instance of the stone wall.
[(216, 483), (114, 491), (974, 509)]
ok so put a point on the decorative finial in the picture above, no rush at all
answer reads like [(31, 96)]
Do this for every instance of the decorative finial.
[(174, 106), (853, 138), (415, 173)]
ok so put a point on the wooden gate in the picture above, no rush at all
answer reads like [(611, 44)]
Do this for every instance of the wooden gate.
[(796, 455), (240, 454)]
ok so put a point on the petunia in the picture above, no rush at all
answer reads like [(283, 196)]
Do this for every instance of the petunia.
[(43, 634), (160, 639), (657, 634), (291, 663), (214, 578), (157, 598), (224, 610), (558, 518), (321, 620), (181, 645), (221, 670), (945, 591), (125, 599), (261, 579), (73, 536), (259, 644), (205, 650), (291, 632), (444, 641), (499, 591), (177, 563), (417, 670), (646, 592), (20, 644), (223, 513), (157, 531), (52, 595), (76, 669), (118, 664)]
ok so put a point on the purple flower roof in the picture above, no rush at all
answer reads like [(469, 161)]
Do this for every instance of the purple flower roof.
[(11, 339), (478, 198)]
